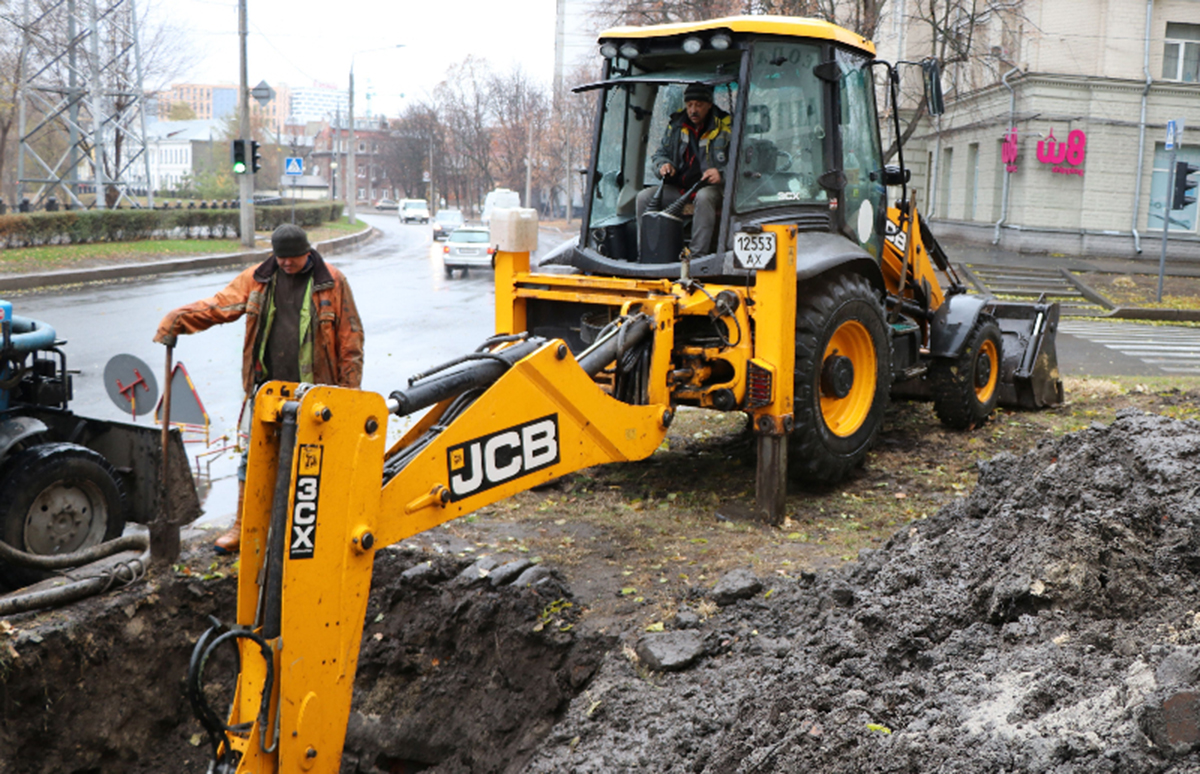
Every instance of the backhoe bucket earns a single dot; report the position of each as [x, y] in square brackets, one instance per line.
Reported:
[1029, 376]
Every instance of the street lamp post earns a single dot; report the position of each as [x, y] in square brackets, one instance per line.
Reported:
[352, 167]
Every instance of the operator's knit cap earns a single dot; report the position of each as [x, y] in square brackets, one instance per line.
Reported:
[289, 241]
[698, 91]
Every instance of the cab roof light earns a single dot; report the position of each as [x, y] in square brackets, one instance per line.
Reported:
[629, 50]
[720, 41]
[609, 49]
[692, 44]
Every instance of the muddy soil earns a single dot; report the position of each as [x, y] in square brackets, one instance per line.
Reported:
[1047, 622]
[455, 671]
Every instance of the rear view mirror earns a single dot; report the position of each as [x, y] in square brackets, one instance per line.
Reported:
[932, 72]
[758, 119]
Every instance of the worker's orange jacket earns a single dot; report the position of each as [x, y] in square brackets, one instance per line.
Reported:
[338, 340]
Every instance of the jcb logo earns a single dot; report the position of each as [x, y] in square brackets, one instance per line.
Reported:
[480, 464]
[304, 508]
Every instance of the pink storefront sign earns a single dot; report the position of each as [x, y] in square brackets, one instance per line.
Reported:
[1050, 151]
[1008, 151]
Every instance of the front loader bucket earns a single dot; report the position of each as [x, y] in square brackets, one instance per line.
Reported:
[1029, 372]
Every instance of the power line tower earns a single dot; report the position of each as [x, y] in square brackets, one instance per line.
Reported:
[81, 108]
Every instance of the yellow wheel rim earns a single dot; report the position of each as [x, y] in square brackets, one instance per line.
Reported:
[984, 392]
[845, 415]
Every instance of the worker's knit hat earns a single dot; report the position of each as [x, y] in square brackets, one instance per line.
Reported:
[289, 241]
[698, 91]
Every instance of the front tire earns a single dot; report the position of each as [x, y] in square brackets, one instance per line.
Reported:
[55, 499]
[965, 387]
[842, 379]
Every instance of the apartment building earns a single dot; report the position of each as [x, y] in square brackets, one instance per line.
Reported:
[1055, 139]
[220, 101]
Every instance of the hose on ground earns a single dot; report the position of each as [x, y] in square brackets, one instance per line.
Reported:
[121, 574]
[74, 559]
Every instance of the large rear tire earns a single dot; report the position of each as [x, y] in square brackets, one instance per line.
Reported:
[842, 379]
[965, 387]
[55, 499]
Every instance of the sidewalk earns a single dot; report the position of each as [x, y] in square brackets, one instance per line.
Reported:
[986, 258]
[1146, 263]
[141, 269]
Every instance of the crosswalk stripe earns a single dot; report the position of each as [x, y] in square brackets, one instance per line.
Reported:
[1173, 350]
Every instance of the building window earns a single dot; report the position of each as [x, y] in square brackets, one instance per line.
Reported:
[972, 180]
[1181, 53]
[944, 185]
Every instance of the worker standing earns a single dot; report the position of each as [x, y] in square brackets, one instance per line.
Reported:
[301, 326]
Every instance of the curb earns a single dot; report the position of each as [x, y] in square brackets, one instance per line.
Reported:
[1160, 315]
[126, 271]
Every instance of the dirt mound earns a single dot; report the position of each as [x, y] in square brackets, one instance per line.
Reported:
[1045, 624]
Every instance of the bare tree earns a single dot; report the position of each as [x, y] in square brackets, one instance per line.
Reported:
[463, 103]
[519, 112]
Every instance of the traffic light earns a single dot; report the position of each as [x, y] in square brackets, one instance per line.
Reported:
[1184, 185]
[255, 157]
[239, 157]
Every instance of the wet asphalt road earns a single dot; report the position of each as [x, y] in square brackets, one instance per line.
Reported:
[413, 316]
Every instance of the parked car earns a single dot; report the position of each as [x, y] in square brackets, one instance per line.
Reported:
[414, 211]
[386, 204]
[467, 248]
[446, 221]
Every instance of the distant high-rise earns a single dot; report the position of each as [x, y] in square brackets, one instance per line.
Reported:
[318, 102]
[579, 23]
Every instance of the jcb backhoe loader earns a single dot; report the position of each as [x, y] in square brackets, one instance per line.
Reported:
[818, 302]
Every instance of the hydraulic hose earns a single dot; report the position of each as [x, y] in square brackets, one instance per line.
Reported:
[276, 539]
[216, 728]
[472, 372]
[123, 573]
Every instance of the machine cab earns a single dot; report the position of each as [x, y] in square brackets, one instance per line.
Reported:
[803, 145]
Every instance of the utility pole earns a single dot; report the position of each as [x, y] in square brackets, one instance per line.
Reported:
[351, 164]
[529, 164]
[245, 180]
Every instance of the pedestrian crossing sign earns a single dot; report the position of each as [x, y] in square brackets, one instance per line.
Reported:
[293, 165]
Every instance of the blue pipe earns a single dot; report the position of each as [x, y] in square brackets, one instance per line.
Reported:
[29, 335]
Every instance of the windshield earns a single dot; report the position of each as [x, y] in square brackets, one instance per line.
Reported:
[469, 236]
[783, 142]
[414, 205]
[639, 99]
[449, 216]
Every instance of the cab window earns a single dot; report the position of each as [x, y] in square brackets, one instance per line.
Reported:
[783, 136]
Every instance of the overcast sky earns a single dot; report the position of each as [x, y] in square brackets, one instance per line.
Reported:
[289, 41]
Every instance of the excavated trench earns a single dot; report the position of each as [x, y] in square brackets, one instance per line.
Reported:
[1047, 623]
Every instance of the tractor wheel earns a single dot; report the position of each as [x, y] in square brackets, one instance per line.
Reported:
[843, 377]
[54, 499]
[965, 387]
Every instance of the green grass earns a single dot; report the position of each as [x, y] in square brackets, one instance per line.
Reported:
[59, 257]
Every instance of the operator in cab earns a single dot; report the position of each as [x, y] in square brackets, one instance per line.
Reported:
[694, 148]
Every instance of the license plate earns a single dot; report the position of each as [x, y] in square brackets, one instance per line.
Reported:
[467, 251]
[754, 251]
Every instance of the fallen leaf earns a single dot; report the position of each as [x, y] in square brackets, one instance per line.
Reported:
[657, 626]
[877, 727]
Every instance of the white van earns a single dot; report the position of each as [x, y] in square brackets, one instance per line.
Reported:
[499, 198]
[415, 210]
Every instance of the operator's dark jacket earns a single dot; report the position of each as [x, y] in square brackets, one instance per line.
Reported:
[711, 148]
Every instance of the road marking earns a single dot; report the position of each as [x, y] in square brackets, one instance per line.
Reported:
[1174, 349]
